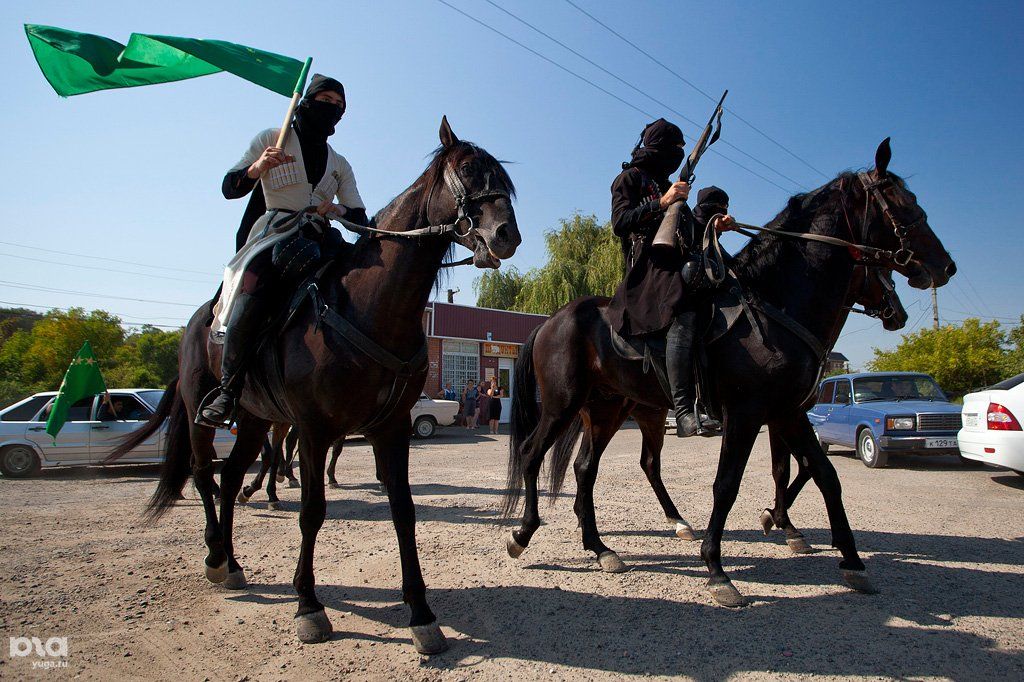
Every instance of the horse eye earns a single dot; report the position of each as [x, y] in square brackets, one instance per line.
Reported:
[468, 169]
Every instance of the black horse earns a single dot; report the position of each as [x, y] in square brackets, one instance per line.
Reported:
[275, 467]
[353, 360]
[763, 370]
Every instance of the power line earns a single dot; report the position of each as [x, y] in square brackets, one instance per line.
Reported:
[595, 85]
[117, 315]
[699, 126]
[111, 260]
[695, 87]
[94, 267]
[86, 293]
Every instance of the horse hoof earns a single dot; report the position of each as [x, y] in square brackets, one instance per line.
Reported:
[725, 594]
[235, 580]
[313, 628]
[428, 639]
[515, 550]
[333, 484]
[799, 546]
[216, 574]
[611, 563]
[767, 522]
[685, 531]
[280, 478]
[242, 497]
[292, 483]
[858, 580]
[274, 505]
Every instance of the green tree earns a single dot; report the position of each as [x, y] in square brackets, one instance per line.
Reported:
[1015, 353]
[499, 288]
[961, 358]
[147, 358]
[15, 319]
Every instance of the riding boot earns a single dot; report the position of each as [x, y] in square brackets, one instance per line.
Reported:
[247, 317]
[679, 367]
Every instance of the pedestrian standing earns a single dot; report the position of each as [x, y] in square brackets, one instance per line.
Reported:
[470, 396]
[496, 393]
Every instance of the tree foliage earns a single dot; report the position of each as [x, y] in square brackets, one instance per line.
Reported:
[584, 259]
[962, 358]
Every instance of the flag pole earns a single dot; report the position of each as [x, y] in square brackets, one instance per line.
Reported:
[300, 85]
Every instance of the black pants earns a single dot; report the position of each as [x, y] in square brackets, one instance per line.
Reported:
[679, 341]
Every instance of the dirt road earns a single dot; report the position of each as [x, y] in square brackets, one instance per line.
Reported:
[944, 544]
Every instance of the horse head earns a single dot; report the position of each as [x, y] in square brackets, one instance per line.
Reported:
[879, 298]
[479, 203]
[919, 254]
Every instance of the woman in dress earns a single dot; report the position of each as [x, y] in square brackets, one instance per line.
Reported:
[469, 400]
[496, 393]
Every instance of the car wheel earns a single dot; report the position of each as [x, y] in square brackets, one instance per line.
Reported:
[424, 427]
[823, 444]
[868, 450]
[19, 461]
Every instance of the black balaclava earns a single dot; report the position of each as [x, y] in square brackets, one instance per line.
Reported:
[710, 200]
[659, 151]
[315, 122]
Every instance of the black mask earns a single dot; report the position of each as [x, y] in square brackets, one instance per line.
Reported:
[659, 151]
[317, 119]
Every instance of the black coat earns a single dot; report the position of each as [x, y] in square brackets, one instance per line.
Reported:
[653, 291]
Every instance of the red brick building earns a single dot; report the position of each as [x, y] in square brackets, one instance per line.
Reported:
[469, 343]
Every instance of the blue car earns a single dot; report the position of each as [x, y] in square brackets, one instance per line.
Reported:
[878, 413]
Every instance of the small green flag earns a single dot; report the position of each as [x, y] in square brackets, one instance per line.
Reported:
[77, 63]
[82, 380]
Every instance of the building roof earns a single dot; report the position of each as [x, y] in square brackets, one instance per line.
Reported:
[837, 357]
[450, 320]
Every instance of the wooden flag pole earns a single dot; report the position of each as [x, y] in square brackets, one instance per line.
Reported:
[300, 85]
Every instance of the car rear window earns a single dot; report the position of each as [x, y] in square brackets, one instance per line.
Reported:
[25, 411]
[1005, 385]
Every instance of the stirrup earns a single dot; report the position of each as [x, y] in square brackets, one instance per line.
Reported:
[204, 403]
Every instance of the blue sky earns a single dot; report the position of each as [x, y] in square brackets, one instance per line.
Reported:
[134, 175]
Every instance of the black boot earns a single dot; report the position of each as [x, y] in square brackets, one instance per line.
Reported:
[679, 367]
[242, 329]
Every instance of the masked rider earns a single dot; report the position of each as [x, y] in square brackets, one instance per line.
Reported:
[307, 171]
[653, 296]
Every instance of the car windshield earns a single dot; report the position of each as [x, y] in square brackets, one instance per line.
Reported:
[152, 398]
[897, 387]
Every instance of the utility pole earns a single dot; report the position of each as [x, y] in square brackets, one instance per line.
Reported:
[451, 295]
[935, 308]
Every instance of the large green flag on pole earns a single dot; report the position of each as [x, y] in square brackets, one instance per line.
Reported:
[77, 63]
[83, 379]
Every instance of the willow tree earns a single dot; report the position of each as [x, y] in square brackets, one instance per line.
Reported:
[584, 259]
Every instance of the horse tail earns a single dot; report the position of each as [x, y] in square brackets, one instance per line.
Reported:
[135, 438]
[177, 465]
[523, 421]
[561, 452]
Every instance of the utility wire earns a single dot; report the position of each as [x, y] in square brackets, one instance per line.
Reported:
[595, 85]
[9, 314]
[111, 260]
[683, 116]
[94, 267]
[86, 293]
[695, 87]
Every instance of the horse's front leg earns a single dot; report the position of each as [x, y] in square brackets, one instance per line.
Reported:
[248, 491]
[785, 494]
[799, 435]
[336, 449]
[740, 432]
[312, 624]
[391, 451]
[652, 426]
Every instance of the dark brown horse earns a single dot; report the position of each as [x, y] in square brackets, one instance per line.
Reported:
[274, 467]
[876, 293]
[761, 372]
[355, 361]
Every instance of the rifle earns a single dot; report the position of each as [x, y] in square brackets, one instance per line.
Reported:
[667, 235]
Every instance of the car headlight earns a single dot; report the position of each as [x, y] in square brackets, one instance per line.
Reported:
[899, 423]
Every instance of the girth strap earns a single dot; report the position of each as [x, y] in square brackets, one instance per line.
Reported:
[792, 325]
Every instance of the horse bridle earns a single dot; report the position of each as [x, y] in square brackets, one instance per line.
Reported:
[873, 189]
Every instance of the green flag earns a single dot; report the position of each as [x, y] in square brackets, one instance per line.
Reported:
[82, 380]
[77, 63]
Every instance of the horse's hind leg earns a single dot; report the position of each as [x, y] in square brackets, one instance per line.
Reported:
[248, 491]
[601, 421]
[799, 435]
[391, 451]
[252, 432]
[336, 449]
[203, 456]
[652, 426]
[785, 494]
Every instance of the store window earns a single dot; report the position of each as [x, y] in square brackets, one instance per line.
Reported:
[460, 362]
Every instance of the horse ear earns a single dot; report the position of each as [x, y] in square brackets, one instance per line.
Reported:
[447, 136]
[882, 157]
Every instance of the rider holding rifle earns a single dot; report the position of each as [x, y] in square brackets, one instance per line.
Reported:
[655, 296]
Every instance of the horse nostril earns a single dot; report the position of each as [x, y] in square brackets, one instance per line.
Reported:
[950, 270]
[501, 233]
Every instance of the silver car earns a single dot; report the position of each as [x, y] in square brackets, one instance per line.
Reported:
[90, 434]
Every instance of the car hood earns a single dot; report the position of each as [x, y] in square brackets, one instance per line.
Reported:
[909, 406]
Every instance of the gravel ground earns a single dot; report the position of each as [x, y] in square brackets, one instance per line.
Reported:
[944, 543]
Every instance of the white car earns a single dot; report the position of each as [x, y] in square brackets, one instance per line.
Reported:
[89, 435]
[992, 425]
[427, 414]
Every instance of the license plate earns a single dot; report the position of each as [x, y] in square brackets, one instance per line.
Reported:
[940, 442]
[971, 419]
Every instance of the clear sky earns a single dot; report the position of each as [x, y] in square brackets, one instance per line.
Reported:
[134, 175]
